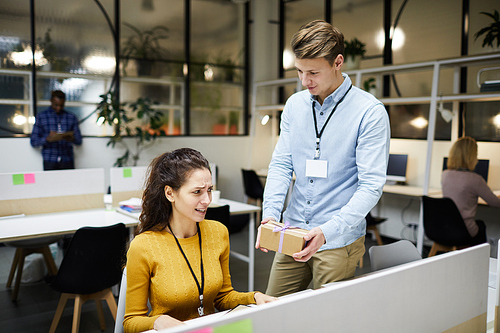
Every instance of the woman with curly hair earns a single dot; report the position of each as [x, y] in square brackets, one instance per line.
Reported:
[178, 260]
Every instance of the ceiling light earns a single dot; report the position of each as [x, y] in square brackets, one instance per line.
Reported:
[398, 38]
[419, 122]
[25, 57]
[19, 119]
[496, 120]
[264, 119]
[446, 114]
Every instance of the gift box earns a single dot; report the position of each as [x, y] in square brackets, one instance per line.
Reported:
[282, 238]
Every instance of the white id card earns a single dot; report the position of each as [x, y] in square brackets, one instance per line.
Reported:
[316, 168]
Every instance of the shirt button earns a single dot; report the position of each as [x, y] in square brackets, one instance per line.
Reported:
[311, 181]
[321, 113]
[307, 222]
[308, 202]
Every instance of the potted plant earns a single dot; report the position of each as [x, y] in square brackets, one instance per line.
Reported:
[144, 47]
[354, 50]
[136, 119]
[492, 31]
[370, 86]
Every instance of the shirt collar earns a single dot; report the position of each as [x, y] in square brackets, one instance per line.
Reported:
[54, 112]
[335, 96]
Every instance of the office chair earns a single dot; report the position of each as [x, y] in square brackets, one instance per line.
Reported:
[122, 297]
[25, 248]
[90, 267]
[122, 300]
[371, 224]
[234, 224]
[252, 185]
[444, 225]
[400, 252]
[253, 189]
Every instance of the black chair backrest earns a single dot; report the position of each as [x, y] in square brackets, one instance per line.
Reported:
[93, 260]
[443, 223]
[233, 223]
[252, 184]
[220, 214]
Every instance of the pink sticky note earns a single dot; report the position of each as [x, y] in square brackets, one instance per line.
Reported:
[203, 330]
[29, 178]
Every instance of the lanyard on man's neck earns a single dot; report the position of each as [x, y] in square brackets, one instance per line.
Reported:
[320, 132]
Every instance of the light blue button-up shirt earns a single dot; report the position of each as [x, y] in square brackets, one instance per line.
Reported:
[355, 143]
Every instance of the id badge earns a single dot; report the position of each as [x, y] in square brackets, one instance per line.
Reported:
[316, 168]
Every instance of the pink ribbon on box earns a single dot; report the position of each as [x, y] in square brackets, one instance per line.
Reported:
[282, 230]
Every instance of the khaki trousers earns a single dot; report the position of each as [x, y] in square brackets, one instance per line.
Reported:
[289, 276]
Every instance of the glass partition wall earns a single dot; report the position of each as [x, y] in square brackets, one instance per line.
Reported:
[421, 31]
[187, 57]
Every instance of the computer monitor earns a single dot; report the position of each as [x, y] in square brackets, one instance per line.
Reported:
[396, 168]
[482, 167]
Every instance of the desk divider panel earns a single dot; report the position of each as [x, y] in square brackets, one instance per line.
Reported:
[51, 191]
[126, 182]
[444, 293]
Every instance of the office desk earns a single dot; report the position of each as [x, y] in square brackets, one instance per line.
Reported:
[62, 223]
[235, 208]
[412, 191]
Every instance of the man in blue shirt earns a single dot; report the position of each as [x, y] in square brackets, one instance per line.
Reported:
[56, 130]
[335, 138]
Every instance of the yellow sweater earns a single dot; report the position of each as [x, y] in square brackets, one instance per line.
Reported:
[157, 270]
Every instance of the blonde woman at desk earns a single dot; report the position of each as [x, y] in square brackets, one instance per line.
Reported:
[178, 260]
[464, 186]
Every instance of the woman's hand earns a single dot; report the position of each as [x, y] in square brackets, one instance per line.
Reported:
[261, 298]
[165, 321]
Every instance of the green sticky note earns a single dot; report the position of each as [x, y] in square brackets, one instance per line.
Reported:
[127, 173]
[18, 179]
[242, 326]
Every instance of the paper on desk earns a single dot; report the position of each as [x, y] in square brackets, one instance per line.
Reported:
[131, 202]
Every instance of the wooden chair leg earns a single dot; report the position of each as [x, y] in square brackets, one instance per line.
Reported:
[377, 235]
[433, 250]
[100, 314]
[49, 260]
[19, 274]
[110, 300]
[76, 314]
[59, 311]
[13, 267]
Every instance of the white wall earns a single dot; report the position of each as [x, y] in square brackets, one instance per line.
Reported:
[230, 154]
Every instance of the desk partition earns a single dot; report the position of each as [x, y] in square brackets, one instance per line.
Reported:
[51, 191]
[445, 293]
[126, 183]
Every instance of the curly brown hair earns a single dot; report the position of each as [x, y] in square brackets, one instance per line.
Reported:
[172, 169]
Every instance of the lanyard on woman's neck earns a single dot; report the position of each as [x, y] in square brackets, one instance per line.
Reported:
[320, 133]
[200, 287]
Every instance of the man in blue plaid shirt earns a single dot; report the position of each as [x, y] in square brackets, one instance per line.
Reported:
[56, 130]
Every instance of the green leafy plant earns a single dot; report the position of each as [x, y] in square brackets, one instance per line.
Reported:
[144, 45]
[369, 84]
[48, 48]
[354, 48]
[492, 31]
[135, 119]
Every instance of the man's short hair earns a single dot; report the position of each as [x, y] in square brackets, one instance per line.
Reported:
[318, 39]
[58, 94]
